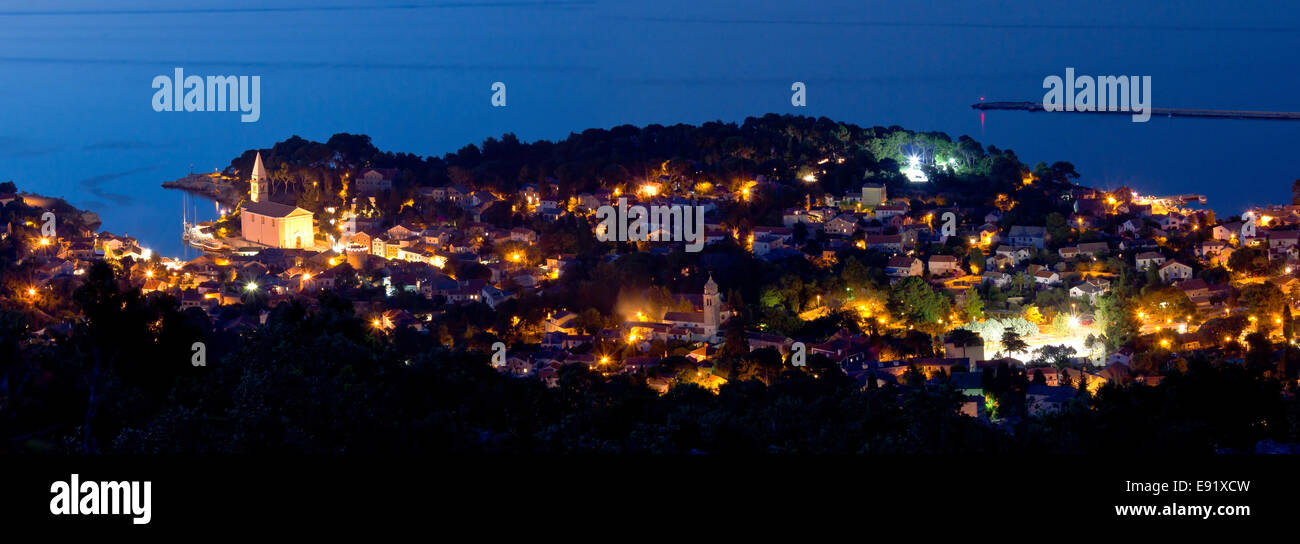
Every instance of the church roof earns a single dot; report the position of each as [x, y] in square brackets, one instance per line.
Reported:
[684, 317]
[273, 209]
[259, 171]
[387, 173]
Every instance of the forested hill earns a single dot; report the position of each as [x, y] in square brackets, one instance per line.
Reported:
[784, 149]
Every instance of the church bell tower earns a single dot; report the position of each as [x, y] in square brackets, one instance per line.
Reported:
[257, 188]
[712, 305]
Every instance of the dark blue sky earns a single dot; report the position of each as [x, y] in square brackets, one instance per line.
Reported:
[415, 75]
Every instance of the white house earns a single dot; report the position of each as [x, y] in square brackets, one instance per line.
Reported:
[1174, 271]
[1132, 225]
[1226, 231]
[1046, 277]
[885, 211]
[373, 180]
[766, 243]
[844, 225]
[1149, 259]
[998, 279]
[1015, 254]
[1283, 238]
[1210, 248]
[902, 267]
[1087, 290]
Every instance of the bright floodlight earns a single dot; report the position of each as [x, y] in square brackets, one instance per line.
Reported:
[252, 286]
[913, 171]
[1074, 322]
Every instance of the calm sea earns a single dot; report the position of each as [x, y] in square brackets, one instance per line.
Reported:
[416, 76]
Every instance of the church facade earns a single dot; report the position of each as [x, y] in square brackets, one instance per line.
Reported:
[273, 224]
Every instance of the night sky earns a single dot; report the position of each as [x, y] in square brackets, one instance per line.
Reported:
[416, 76]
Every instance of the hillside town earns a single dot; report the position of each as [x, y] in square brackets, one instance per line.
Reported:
[907, 290]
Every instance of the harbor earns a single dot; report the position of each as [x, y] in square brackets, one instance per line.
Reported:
[203, 234]
[1155, 112]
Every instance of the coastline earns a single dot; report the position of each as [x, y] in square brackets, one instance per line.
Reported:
[207, 185]
[59, 205]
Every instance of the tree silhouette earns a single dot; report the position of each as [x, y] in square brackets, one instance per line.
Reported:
[1011, 342]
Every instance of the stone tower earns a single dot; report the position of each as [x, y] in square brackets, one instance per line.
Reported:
[712, 303]
[257, 188]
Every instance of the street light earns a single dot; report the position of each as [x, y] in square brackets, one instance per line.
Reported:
[252, 286]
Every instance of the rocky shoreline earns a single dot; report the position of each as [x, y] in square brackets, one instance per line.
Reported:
[87, 218]
[209, 186]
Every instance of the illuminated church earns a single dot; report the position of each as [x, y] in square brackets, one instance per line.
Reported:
[702, 324]
[271, 223]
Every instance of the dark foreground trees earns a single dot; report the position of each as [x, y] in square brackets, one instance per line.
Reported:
[323, 382]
